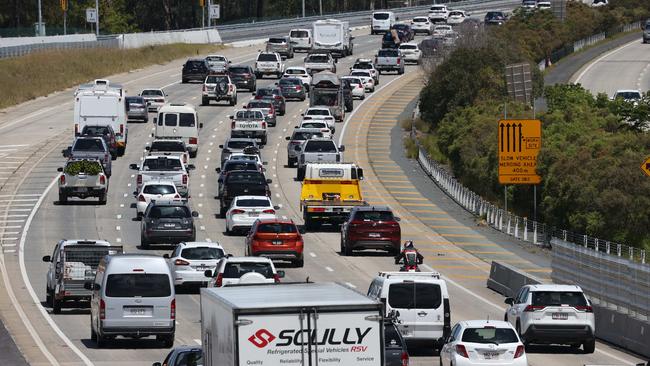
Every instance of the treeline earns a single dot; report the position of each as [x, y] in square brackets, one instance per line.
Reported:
[592, 147]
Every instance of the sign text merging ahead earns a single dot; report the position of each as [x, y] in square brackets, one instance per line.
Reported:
[519, 143]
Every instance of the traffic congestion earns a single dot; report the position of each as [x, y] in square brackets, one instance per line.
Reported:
[263, 129]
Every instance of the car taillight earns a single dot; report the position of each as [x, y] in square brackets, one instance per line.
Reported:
[276, 278]
[585, 308]
[185, 158]
[141, 198]
[102, 179]
[263, 124]
[172, 309]
[325, 130]
[102, 309]
[219, 281]
[405, 359]
[277, 97]
[317, 209]
[399, 60]
[177, 196]
[62, 179]
[181, 262]
[269, 211]
[194, 140]
[520, 351]
[230, 88]
[237, 211]
[530, 308]
[139, 179]
[298, 88]
[460, 349]
[184, 178]
[76, 129]
[106, 158]
[232, 124]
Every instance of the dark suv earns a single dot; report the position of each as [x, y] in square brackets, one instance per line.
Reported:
[105, 132]
[371, 227]
[230, 165]
[167, 222]
[242, 183]
[274, 94]
[196, 69]
[243, 77]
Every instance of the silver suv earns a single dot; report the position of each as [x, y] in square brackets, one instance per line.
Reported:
[553, 314]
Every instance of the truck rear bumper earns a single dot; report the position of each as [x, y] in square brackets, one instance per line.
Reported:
[279, 254]
[137, 332]
[89, 192]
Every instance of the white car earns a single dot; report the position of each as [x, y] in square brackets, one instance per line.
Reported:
[358, 87]
[438, 13]
[366, 78]
[245, 210]
[315, 124]
[422, 25]
[158, 190]
[244, 270]
[544, 5]
[190, 260]
[628, 95]
[456, 17]
[599, 3]
[321, 114]
[366, 64]
[553, 314]
[155, 98]
[244, 156]
[411, 52]
[440, 31]
[483, 342]
[298, 73]
[529, 5]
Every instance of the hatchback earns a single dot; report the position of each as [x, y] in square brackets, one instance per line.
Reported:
[245, 210]
[233, 271]
[189, 261]
[243, 77]
[292, 88]
[155, 190]
[167, 222]
[276, 239]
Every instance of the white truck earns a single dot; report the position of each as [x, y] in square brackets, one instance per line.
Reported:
[164, 168]
[249, 123]
[101, 103]
[332, 35]
[292, 324]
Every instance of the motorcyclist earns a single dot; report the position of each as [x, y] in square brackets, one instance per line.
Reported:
[409, 247]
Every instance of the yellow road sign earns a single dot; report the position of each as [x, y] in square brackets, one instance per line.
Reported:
[646, 166]
[519, 143]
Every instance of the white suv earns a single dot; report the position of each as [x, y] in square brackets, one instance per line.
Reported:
[269, 63]
[233, 271]
[553, 314]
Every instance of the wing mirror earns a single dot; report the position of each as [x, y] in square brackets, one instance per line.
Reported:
[47, 258]
[59, 169]
[148, 148]
[195, 214]
[191, 167]
[200, 125]
[155, 120]
[281, 274]
[221, 146]
[510, 301]
[218, 170]
[342, 148]
[166, 256]
[133, 167]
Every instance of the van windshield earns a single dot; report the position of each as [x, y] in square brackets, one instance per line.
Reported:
[412, 295]
[138, 285]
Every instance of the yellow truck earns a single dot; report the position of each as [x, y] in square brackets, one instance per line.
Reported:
[328, 198]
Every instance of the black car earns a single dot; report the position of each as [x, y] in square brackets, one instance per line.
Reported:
[243, 77]
[105, 132]
[393, 38]
[196, 69]
[395, 351]
[274, 94]
[495, 18]
[347, 95]
[167, 222]
[243, 183]
[409, 33]
[230, 165]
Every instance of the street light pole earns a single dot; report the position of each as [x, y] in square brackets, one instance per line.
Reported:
[40, 19]
[303, 8]
[96, 16]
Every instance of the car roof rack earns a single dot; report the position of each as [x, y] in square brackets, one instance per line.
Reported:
[432, 274]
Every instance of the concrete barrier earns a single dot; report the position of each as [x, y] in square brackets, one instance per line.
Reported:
[507, 280]
[202, 36]
[22, 41]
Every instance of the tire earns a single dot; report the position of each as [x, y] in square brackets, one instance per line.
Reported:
[63, 198]
[205, 101]
[193, 154]
[299, 263]
[300, 174]
[183, 81]
[101, 341]
[222, 212]
[291, 162]
[48, 297]
[309, 224]
[56, 305]
[233, 101]
[144, 243]
[93, 334]
[167, 341]
[400, 72]
[228, 231]
[347, 250]
[589, 346]
[263, 140]
[254, 88]
[120, 151]
[363, 96]
[102, 198]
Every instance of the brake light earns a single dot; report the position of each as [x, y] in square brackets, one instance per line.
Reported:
[172, 309]
[276, 278]
[139, 179]
[263, 124]
[530, 308]
[181, 262]
[184, 178]
[520, 351]
[460, 349]
[399, 60]
[586, 308]
[141, 198]
[317, 209]
[62, 179]
[237, 211]
[102, 179]
[102, 309]
[106, 158]
[325, 130]
[405, 359]
[194, 140]
[177, 196]
[184, 158]
[298, 88]
[277, 97]
[219, 281]
[232, 124]
[270, 211]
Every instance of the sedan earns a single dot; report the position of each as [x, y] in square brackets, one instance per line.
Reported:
[320, 114]
[480, 342]
[358, 87]
[189, 261]
[300, 73]
[421, 25]
[136, 108]
[155, 98]
[157, 190]
[245, 210]
[366, 77]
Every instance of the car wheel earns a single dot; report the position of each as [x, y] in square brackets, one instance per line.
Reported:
[193, 154]
[63, 198]
[56, 305]
[93, 334]
[228, 231]
[263, 141]
[144, 243]
[102, 198]
[167, 341]
[48, 297]
[300, 174]
[101, 340]
[233, 101]
[589, 346]
[222, 212]
[347, 250]
[363, 96]
[205, 101]
[183, 81]
[299, 263]
[291, 162]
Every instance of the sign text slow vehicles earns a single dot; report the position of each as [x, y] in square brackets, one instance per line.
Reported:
[519, 142]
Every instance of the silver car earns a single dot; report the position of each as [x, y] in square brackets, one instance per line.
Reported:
[299, 136]
[136, 109]
[236, 145]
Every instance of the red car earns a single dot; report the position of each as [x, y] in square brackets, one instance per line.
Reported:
[371, 227]
[276, 239]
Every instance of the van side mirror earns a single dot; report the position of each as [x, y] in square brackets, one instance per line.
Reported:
[207, 273]
[281, 274]
[360, 173]
[509, 300]
[288, 138]
[47, 258]
[59, 169]
[218, 170]
[398, 219]
[133, 166]
[191, 167]
[200, 125]
[342, 148]
[148, 148]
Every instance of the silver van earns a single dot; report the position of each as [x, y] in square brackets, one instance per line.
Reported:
[132, 296]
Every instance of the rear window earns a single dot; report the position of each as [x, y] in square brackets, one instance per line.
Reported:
[391, 336]
[134, 100]
[258, 104]
[318, 112]
[362, 65]
[381, 16]
[412, 295]
[187, 120]
[162, 164]
[290, 82]
[360, 73]
[387, 53]
[152, 93]
[320, 146]
[216, 79]
[300, 136]
[195, 64]
[420, 20]
[138, 285]
[238, 70]
[267, 57]
[490, 335]
[253, 202]
[239, 144]
[245, 178]
[557, 298]
[265, 92]
[216, 58]
[95, 130]
[167, 146]
[408, 47]
[249, 115]
[299, 34]
[169, 212]
[317, 58]
[202, 253]
[171, 120]
[159, 189]
[313, 125]
[89, 145]
[437, 8]
[277, 228]
[239, 165]
[236, 270]
[374, 215]
[189, 358]
[295, 72]
[277, 40]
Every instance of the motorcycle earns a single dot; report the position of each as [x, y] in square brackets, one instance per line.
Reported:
[410, 261]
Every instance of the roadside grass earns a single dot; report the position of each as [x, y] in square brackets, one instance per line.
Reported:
[41, 73]
[424, 135]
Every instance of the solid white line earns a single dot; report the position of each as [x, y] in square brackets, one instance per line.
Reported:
[594, 62]
[312, 254]
[9, 245]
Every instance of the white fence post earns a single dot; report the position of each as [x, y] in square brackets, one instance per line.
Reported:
[534, 232]
[517, 227]
[525, 229]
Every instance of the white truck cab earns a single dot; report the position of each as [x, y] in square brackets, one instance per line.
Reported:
[180, 121]
[344, 171]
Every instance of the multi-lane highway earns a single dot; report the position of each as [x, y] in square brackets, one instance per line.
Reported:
[33, 134]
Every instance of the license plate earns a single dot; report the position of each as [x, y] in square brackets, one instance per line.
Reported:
[248, 126]
[83, 189]
[490, 355]
[374, 235]
[137, 311]
[253, 214]
[338, 209]
[276, 242]
[170, 225]
[560, 316]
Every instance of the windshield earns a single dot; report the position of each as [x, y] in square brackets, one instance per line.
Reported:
[628, 95]
[277, 228]
[299, 34]
[413, 295]
[246, 178]
[162, 164]
[159, 189]
[152, 93]
[317, 58]
[202, 253]
[490, 335]
[374, 216]
[391, 336]
[387, 53]
[320, 146]
[557, 298]
[169, 212]
[177, 146]
[267, 57]
[89, 145]
[138, 285]
[381, 16]
[189, 358]
[253, 202]
[234, 144]
[236, 270]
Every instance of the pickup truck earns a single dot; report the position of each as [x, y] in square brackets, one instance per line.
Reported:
[71, 265]
[87, 147]
[169, 147]
[389, 60]
[218, 88]
[318, 151]
[82, 178]
[269, 63]
[328, 201]
[164, 167]
[249, 123]
[317, 62]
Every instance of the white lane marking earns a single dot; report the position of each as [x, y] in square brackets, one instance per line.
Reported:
[594, 62]
[121, 205]
[119, 240]
[208, 240]
[198, 341]
[119, 217]
[21, 200]
[35, 299]
[16, 215]
[170, 84]
[312, 254]
[329, 269]
[277, 195]
[20, 195]
[200, 195]
[34, 114]
[10, 233]
[118, 228]
[12, 226]
[128, 185]
[126, 194]
[202, 228]
[350, 285]
[205, 167]
[9, 245]
[200, 205]
[9, 250]
[13, 221]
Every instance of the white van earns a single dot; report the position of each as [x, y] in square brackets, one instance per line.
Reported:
[419, 300]
[302, 39]
[382, 21]
[179, 121]
[132, 296]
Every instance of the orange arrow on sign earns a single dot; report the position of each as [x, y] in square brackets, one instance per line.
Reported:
[646, 166]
